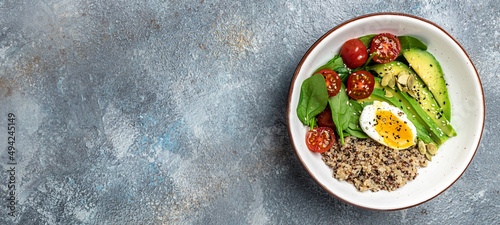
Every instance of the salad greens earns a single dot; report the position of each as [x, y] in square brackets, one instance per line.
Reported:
[313, 99]
[336, 64]
[354, 129]
[408, 42]
[345, 111]
[367, 40]
[339, 105]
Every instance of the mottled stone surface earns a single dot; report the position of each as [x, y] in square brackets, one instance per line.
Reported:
[143, 112]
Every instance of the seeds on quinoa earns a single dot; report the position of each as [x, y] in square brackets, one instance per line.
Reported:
[369, 165]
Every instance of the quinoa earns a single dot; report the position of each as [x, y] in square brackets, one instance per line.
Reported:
[369, 165]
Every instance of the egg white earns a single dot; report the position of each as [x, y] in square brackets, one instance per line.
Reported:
[367, 121]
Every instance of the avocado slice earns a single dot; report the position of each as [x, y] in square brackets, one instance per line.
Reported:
[429, 69]
[423, 95]
[417, 112]
[379, 95]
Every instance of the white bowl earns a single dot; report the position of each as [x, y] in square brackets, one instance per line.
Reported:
[466, 96]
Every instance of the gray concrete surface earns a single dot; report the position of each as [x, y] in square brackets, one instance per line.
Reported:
[173, 112]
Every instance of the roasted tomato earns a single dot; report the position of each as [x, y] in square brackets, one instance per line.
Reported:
[360, 84]
[354, 53]
[386, 48]
[332, 80]
[320, 139]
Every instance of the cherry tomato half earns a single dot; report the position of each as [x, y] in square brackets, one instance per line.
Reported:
[332, 80]
[386, 46]
[360, 84]
[354, 53]
[325, 119]
[320, 139]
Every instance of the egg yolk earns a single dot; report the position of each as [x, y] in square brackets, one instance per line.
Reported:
[395, 132]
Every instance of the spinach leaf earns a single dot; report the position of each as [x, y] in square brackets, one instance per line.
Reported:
[346, 117]
[343, 74]
[356, 133]
[367, 40]
[336, 64]
[339, 105]
[356, 109]
[313, 99]
[408, 42]
[354, 129]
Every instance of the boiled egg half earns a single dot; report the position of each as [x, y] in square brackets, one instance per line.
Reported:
[388, 125]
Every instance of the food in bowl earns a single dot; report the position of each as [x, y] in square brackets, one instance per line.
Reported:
[388, 125]
[368, 165]
[387, 111]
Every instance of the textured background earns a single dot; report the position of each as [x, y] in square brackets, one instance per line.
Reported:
[138, 112]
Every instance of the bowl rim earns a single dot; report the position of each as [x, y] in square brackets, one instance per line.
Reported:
[294, 78]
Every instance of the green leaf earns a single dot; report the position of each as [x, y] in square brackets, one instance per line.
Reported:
[346, 118]
[313, 99]
[334, 64]
[408, 42]
[367, 40]
[343, 74]
[353, 124]
[356, 133]
[356, 109]
[339, 107]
